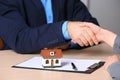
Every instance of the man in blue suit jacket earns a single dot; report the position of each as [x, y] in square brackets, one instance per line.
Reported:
[24, 27]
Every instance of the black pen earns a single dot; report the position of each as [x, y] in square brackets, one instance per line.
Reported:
[73, 66]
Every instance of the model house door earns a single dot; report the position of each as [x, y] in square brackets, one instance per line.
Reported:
[52, 63]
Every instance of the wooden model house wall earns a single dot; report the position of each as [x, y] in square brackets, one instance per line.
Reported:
[51, 57]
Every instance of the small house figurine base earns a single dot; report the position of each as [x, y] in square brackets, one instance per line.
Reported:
[51, 58]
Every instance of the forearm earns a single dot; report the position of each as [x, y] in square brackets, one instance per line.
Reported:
[107, 36]
[23, 39]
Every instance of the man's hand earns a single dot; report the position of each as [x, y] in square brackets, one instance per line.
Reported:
[110, 60]
[81, 34]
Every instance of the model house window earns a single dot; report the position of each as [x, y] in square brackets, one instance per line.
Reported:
[57, 61]
[52, 53]
[47, 61]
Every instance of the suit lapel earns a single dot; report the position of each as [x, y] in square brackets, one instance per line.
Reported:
[55, 8]
[41, 10]
[38, 4]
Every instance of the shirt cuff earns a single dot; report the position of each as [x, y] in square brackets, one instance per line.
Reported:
[113, 70]
[116, 46]
[64, 31]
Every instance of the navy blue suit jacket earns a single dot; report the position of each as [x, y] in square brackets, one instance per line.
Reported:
[23, 25]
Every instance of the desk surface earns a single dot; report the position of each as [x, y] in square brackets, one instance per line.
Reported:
[9, 58]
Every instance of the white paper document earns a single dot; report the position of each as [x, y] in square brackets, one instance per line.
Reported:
[36, 63]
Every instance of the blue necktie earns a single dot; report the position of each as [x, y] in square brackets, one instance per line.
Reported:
[48, 10]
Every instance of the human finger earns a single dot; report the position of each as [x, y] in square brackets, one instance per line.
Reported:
[80, 43]
[83, 39]
[93, 37]
[88, 37]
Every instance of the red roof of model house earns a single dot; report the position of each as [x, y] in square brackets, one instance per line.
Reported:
[51, 53]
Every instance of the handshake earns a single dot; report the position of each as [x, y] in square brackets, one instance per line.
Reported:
[84, 33]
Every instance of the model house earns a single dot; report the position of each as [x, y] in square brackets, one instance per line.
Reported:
[51, 57]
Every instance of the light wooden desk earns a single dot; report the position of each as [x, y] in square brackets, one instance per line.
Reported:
[9, 58]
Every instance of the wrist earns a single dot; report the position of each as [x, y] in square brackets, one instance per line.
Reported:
[102, 34]
[107, 36]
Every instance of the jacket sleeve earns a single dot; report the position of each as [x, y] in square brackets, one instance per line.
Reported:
[114, 71]
[23, 39]
[81, 13]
